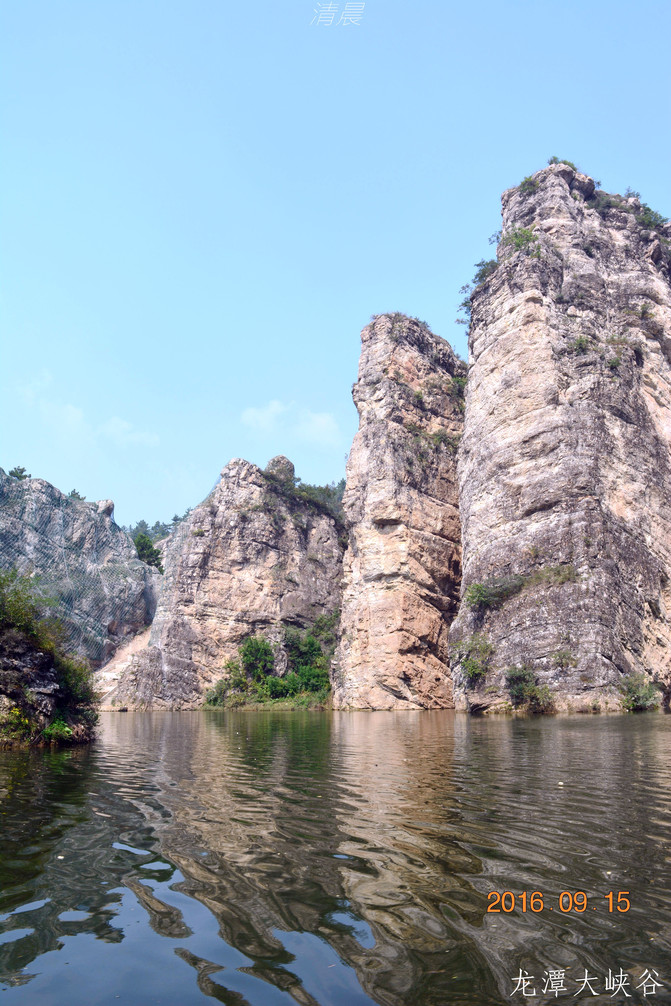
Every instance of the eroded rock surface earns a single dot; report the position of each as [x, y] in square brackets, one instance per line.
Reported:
[402, 566]
[104, 594]
[565, 476]
[252, 559]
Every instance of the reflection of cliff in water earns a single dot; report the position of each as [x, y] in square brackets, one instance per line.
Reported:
[302, 831]
[44, 871]
[270, 858]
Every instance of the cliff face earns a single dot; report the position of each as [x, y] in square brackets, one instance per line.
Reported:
[402, 565]
[253, 558]
[564, 472]
[104, 593]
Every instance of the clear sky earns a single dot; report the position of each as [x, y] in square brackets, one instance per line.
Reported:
[203, 202]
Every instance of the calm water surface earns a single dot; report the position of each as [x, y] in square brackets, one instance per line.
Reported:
[277, 858]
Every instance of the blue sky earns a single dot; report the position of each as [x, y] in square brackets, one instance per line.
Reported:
[203, 202]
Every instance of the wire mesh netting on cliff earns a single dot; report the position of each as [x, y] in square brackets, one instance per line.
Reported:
[82, 564]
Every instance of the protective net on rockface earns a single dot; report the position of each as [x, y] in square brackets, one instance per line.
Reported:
[82, 564]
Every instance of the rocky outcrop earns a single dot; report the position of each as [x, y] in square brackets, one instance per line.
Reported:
[564, 472]
[402, 565]
[257, 556]
[81, 559]
[35, 692]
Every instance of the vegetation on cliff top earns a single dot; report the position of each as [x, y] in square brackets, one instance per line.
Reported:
[24, 630]
[325, 499]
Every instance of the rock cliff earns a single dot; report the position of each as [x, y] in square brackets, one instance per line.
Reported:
[402, 565]
[564, 471]
[80, 558]
[255, 557]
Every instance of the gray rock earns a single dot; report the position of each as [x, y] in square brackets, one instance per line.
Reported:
[80, 558]
[564, 470]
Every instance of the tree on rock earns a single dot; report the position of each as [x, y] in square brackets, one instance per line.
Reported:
[147, 552]
[20, 473]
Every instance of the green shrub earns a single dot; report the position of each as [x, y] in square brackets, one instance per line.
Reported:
[579, 345]
[561, 160]
[484, 270]
[639, 693]
[307, 660]
[257, 658]
[524, 690]
[528, 185]
[650, 219]
[493, 593]
[147, 552]
[614, 362]
[58, 730]
[458, 387]
[475, 655]
[20, 473]
[563, 659]
[522, 239]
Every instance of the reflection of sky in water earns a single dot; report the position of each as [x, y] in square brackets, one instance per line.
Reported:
[272, 859]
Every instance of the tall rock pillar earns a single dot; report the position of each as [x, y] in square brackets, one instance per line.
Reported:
[565, 465]
[402, 565]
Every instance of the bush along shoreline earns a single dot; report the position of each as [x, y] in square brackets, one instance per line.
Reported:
[46, 696]
[251, 680]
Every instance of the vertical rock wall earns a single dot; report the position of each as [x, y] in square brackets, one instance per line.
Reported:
[565, 474]
[251, 559]
[402, 566]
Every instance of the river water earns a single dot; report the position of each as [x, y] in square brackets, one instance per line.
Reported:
[274, 858]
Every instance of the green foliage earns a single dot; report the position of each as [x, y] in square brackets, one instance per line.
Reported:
[650, 219]
[528, 185]
[19, 473]
[307, 660]
[475, 655]
[563, 659]
[147, 552]
[198, 533]
[158, 529]
[524, 690]
[614, 362]
[458, 387]
[57, 730]
[257, 657]
[306, 683]
[522, 239]
[493, 593]
[562, 160]
[645, 216]
[326, 499]
[74, 495]
[419, 399]
[21, 610]
[18, 605]
[485, 268]
[639, 693]
[580, 345]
